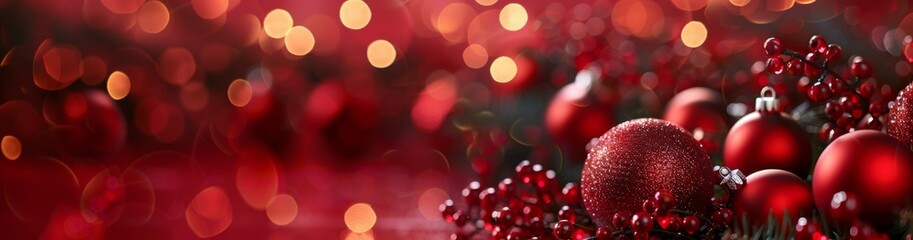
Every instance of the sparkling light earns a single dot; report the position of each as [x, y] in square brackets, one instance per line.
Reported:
[694, 34]
[475, 56]
[118, 85]
[486, 2]
[153, 17]
[209, 213]
[355, 14]
[360, 218]
[282, 209]
[11, 147]
[299, 41]
[430, 201]
[277, 22]
[503, 69]
[240, 92]
[210, 9]
[381, 53]
[513, 17]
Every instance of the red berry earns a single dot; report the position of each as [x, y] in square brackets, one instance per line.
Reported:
[773, 47]
[504, 218]
[861, 68]
[498, 233]
[571, 193]
[867, 89]
[878, 108]
[833, 52]
[775, 65]
[833, 110]
[817, 44]
[825, 132]
[795, 67]
[531, 211]
[567, 213]
[536, 227]
[649, 205]
[664, 199]
[471, 193]
[563, 229]
[524, 171]
[722, 217]
[819, 92]
[642, 222]
[515, 235]
[603, 233]
[460, 218]
[621, 220]
[488, 199]
[837, 86]
[506, 188]
[691, 224]
[447, 210]
[805, 228]
[811, 70]
[835, 133]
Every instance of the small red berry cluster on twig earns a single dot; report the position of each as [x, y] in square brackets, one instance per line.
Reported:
[851, 102]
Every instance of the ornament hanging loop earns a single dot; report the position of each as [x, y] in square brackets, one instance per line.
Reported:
[766, 103]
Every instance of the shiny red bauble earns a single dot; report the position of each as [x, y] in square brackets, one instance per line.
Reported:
[700, 111]
[871, 165]
[637, 158]
[900, 116]
[773, 192]
[768, 140]
[575, 116]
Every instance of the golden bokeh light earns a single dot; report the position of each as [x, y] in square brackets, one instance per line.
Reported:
[209, 9]
[694, 34]
[513, 17]
[690, 5]
[277, 22]
[486, 2]
[503, 69]
[360, 236]
[739, 3]
[282, 209]
[240, 92]
[153, 17]
[360, 218]
[209, 213]
[475, 56]
[299, 41]
[381, 53]
[354, 14]
[430, 201]
[11, 147]
[118, 85]
[802, 1]
[122, 6]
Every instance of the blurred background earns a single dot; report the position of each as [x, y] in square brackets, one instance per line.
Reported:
[272, 119]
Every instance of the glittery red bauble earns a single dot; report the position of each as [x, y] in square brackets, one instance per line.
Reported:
[637, 158]
[772, 191]
[574, 117]
[700, 111]
[768, 140]
[873, 166]
[900, 117]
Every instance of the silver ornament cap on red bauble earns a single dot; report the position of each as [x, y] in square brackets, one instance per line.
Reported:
[637, 158]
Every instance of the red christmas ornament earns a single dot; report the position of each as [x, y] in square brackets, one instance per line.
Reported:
[871, 165]
[575, 116]
[768, 139]
[637, 158]
[701, 112]
[773, 191]
[900, 116]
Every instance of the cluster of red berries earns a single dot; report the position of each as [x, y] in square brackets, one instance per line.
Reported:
[851, 103]
[531, 207]
[658, 219]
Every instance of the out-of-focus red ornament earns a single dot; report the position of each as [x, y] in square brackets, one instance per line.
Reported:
[637, 158]
[900, 116]
[768, 139]
[773, 192]
[700, 111]
[575, 116]
[871, 165]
